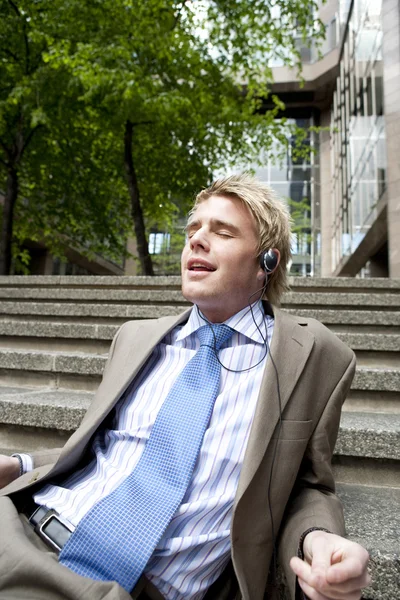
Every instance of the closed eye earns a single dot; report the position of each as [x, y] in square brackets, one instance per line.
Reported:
[190, 231]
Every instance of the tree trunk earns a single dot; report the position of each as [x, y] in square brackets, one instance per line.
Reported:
[7, 226]
[136, 209]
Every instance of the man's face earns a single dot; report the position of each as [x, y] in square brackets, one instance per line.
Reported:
[220, 269]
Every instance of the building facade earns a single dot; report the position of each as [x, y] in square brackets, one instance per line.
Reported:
[352, 180]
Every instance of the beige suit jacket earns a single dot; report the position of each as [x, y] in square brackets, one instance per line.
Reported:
[313, 370]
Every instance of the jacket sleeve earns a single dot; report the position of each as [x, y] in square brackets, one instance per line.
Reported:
[313, 502]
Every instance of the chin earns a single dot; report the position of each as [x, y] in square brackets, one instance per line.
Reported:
[189, 293]
[192, 293]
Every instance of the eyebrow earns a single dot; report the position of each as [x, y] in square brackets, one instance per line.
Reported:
[215, 223]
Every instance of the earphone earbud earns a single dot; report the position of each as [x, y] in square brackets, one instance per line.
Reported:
[269, 260]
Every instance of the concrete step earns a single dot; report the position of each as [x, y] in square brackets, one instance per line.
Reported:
[58, 369]
[372, 379]
[44, 329]
[381, 284]
[64, 294]
[62, 410]
[376, 342]
[39, 418]
[106, 282]
[343, 284]
[56, 336]
[373, 435]
[89, 313]
[347, 320]
[67, 370]
[364, 440]
[373, 520]
[174, 296]
[373, 349]
[360, 300]
[372, 401]
[339, 321]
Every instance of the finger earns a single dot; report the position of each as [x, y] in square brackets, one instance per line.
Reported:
[310, 592]
[342, 591]
[314, 594]
[351, 586]
[350, 567]
[321, 562]
[300, 568]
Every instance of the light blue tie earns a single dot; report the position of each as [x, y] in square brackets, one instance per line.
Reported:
[116, 538]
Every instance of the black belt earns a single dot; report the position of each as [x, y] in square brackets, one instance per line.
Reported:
[49, 525]
[56, 531]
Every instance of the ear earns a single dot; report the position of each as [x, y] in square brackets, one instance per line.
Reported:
[278, 254]
[269, 262]
[261, 275]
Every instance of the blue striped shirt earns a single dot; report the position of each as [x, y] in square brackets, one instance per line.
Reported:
[195, 547]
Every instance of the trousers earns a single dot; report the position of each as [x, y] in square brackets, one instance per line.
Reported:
[29, 569]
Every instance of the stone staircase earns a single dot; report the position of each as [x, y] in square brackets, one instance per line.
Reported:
[54, 337]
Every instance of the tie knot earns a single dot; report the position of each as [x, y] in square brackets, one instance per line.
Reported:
[214, 335]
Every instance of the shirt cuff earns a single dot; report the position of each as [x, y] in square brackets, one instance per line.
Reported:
[25, 463]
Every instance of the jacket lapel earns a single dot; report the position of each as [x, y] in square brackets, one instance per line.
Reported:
[122, 370]
[290, 348]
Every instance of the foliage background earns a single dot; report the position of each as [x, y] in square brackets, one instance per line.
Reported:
[113, 113]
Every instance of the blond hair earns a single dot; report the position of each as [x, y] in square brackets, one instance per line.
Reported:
[272, 221]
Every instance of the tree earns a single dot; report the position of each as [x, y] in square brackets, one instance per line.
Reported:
[174, 88]
[61, 179]
[19, 64]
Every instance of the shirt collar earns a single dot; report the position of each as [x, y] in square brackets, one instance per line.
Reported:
[242, 322]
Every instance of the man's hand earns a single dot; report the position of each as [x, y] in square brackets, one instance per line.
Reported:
[333, 568]
[9, 469]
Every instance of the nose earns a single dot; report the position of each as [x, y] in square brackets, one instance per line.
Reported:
[199, 239]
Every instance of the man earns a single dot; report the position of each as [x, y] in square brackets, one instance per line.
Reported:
[262, 475]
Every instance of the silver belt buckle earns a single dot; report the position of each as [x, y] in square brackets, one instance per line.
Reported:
[39, 528]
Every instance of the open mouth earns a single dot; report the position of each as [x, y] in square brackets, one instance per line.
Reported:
[199, 267]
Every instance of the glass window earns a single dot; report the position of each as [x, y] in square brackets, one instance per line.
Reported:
[262, 173]
[278, 173]
[282, 189]
[360, 98]
[159, 243]
[357, 130]
[378, 89]
[369, 95]
[332, 37]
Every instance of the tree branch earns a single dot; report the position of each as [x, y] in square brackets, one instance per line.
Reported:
[6, 150]
[6, 51]
[136, 207]
[28, 139]
[142, 123]
[27, 53]
[178, 15]
[15, 7]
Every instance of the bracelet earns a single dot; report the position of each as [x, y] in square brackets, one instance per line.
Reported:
[21, 464]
